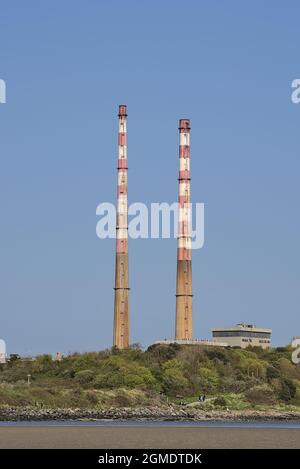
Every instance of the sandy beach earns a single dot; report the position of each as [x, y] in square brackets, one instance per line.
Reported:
[147, 437]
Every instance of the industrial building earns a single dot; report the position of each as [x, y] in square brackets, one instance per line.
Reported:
[243, 335]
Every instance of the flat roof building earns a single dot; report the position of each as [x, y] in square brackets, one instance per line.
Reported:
[243, 335]
[209, 343]
[295, 342]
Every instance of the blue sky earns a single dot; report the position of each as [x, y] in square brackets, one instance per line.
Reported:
[228, 66]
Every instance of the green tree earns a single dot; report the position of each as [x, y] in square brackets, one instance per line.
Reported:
[116, 372]
[174, 381]
[288, 390]
[208, 379]
[85, 376]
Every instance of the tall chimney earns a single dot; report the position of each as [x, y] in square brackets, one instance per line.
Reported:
[121, 311]
[184, 325]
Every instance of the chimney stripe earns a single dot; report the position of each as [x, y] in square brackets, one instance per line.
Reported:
[121, 308]
[184, 327]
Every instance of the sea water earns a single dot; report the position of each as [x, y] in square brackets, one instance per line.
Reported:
[152, 423]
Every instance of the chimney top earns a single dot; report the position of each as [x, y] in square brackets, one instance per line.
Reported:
[184, 124]
[122, 110]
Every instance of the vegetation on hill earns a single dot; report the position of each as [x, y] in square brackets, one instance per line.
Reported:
[229, 378]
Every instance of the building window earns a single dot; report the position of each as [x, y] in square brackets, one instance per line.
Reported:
[254, 335]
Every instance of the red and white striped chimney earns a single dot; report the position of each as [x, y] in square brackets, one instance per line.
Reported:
[184, 311]
[121, 310]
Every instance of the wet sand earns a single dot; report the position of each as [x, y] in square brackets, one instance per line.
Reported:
[151, 437]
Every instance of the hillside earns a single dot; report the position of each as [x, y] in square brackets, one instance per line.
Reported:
[161, 375]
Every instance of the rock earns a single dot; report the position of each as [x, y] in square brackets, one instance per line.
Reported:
[144, 413]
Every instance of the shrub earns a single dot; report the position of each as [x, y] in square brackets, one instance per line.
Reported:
[161, 353]
[122, 399]
[13, 375]
[272, 373]
[92, 397]
[13, 358]
[220, 401]
[174, 381]
[253, 367]
[208, 379]
[237, 383]
[84, 376]
[117, 372]
[87, 360]
[261, 394]
[287, 368]
[217, 354]
[296, 399]
[288, 390]
[43, 364]
[68, 373]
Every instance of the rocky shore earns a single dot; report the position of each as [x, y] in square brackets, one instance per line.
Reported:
[142, 414]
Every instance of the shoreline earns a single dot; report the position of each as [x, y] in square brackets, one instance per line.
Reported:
[173, 414]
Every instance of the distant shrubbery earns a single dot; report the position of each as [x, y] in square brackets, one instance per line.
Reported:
[260, 394]
[232, 377]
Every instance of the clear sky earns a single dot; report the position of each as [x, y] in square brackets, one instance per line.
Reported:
[226, 65]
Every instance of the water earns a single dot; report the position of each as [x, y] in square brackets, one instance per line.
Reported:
[111, 423]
